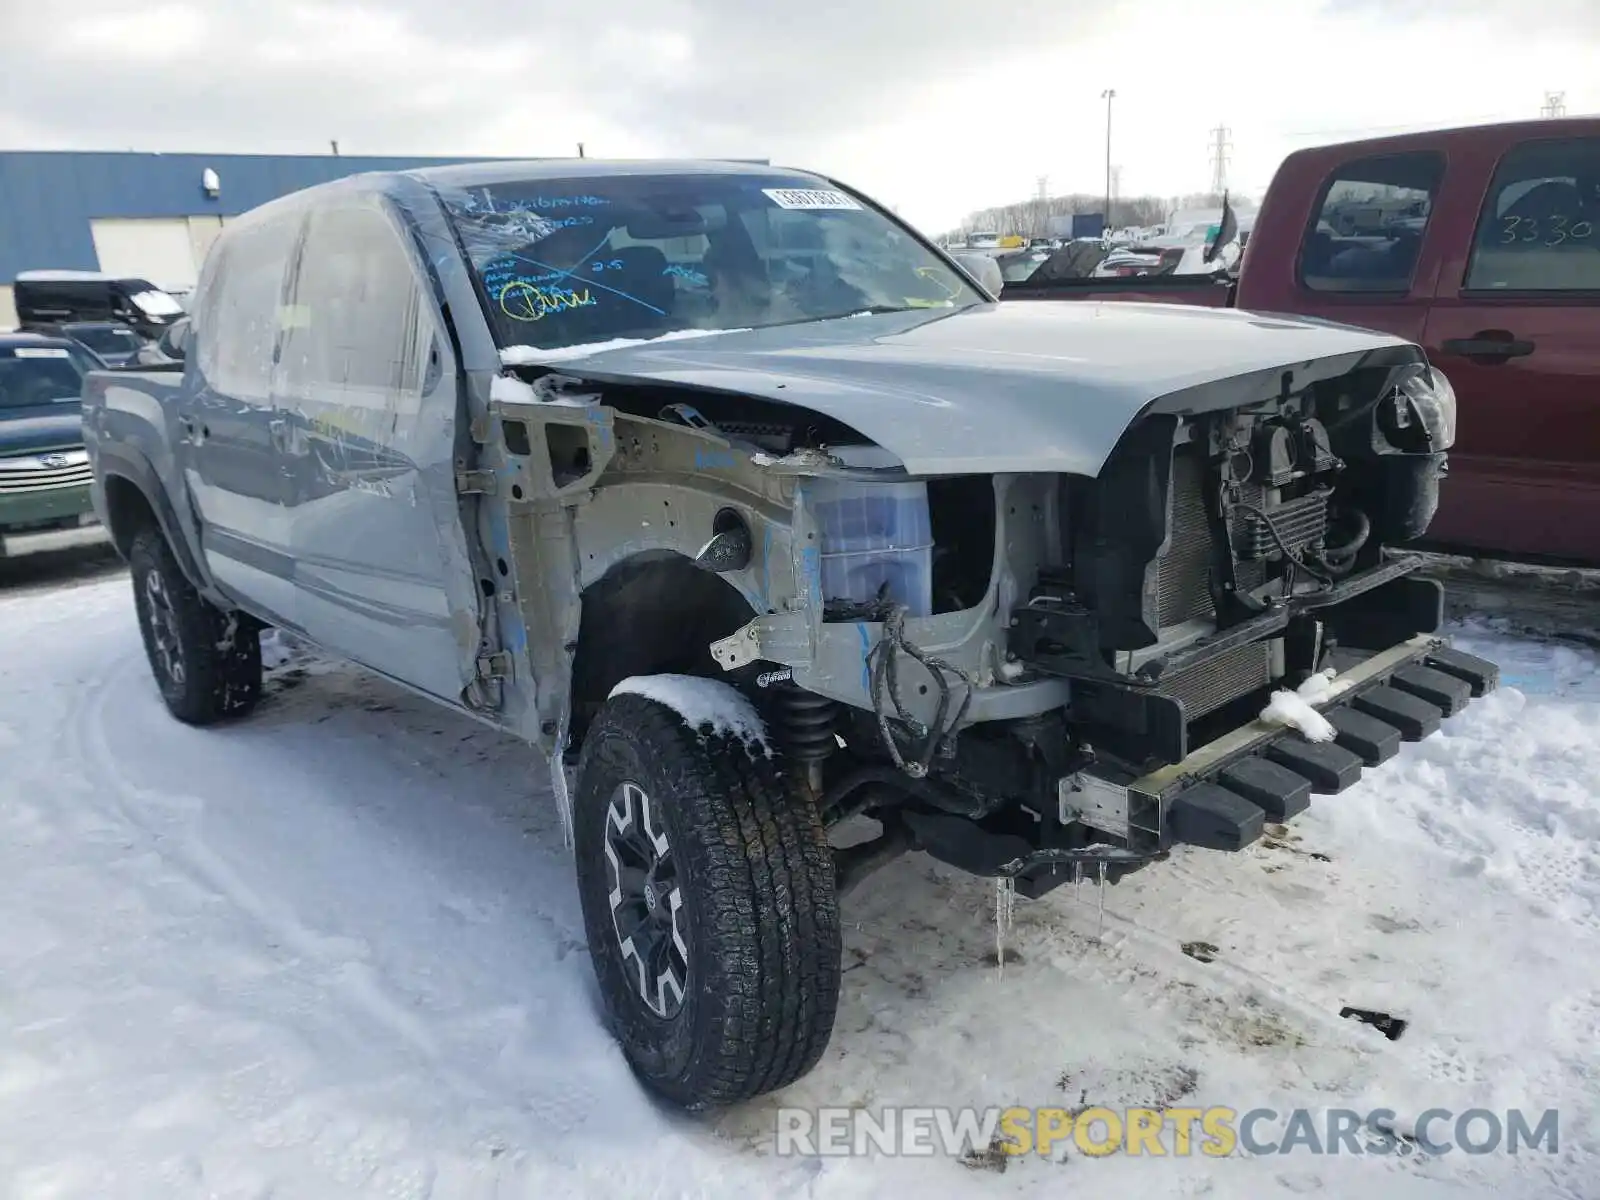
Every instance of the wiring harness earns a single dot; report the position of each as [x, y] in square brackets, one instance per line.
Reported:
[884, 680]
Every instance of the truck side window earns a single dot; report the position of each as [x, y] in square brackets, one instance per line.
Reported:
[238, 324]
[360, 319]
[1369, 225]
[1540, 226]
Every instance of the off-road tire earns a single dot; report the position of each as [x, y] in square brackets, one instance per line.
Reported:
[757, 884]
[219, 653]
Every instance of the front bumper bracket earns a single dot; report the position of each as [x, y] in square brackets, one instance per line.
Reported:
[1223, 794]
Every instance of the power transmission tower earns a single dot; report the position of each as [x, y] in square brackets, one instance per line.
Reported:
[1555, 105]
[1221, 153]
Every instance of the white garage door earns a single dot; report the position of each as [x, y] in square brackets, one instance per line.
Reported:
[202, 232]
[161, 250]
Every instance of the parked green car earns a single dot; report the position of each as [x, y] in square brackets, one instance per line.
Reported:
[44, 469]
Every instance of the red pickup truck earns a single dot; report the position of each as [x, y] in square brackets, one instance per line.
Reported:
[1483, 246]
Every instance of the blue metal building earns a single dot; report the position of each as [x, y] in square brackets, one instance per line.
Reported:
[146, 215]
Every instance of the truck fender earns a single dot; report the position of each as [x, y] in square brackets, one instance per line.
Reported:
[122, 462]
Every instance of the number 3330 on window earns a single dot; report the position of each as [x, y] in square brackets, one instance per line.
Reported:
[1551, 231]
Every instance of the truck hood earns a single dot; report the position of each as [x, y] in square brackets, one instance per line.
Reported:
[1036, 386]
[48, 427]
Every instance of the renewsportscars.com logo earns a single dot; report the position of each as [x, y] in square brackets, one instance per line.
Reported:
[1214, 1132]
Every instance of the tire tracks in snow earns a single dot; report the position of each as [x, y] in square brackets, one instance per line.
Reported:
[170, 824]
[351, 1075]
[1162, 946]
[397, 731]
[185, 849]
[1156, 948]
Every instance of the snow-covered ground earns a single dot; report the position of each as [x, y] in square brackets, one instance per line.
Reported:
[335, 950]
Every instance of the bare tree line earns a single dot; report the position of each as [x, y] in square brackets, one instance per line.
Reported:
[1031, 218]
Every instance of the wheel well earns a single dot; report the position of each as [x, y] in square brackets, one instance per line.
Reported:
[127, 512]
[653, 614]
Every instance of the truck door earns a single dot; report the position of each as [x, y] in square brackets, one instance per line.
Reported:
[1364, 259]
[227, 440]
[1513, 327]
[368, 399]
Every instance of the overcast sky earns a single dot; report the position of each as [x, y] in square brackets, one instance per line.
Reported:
[934, 106]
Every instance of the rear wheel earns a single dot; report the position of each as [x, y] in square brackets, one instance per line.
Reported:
[709, 904]
[207, 663]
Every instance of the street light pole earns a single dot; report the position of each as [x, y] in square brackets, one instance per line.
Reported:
[1108, 96]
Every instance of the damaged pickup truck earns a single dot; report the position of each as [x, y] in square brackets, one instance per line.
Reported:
[756, 514]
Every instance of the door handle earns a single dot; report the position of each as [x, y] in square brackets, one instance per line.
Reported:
[1489, 346]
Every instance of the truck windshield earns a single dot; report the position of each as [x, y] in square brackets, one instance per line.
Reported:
[564, 262]
[34, 376]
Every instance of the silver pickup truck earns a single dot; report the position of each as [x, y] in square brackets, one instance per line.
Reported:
[756, 514]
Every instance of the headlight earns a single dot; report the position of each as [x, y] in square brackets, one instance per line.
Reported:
[1435, 402]
[1421, 413]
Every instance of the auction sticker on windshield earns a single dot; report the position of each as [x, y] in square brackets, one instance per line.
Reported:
[809, 198]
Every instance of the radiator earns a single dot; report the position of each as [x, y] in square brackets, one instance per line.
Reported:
[1183, 593]
[1183, 573]
[1208, 686]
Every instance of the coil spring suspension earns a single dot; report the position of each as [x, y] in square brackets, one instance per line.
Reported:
[803, 723]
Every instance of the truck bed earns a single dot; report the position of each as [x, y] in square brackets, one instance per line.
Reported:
[130, 428]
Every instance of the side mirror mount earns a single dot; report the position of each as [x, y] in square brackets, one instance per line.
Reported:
[174, 342]
[983, 268]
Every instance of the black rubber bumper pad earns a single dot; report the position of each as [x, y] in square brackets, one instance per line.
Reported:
[1214, 818]
[1279, 791]
[1414, 717]
[1329, 766]
[1479, 673]
[1276, 781]
[1374, 740]
[1444, 692]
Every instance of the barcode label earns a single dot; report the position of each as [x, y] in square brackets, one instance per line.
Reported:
[809, 198]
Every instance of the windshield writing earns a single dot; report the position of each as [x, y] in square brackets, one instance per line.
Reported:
[562, 263]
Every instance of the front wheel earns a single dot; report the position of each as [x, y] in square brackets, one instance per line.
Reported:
[709, 905]
[207, 663]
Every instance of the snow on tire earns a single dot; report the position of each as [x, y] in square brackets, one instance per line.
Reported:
[207, 663]
[709, 905]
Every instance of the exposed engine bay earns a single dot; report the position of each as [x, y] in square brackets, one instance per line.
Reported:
[1032, 644]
